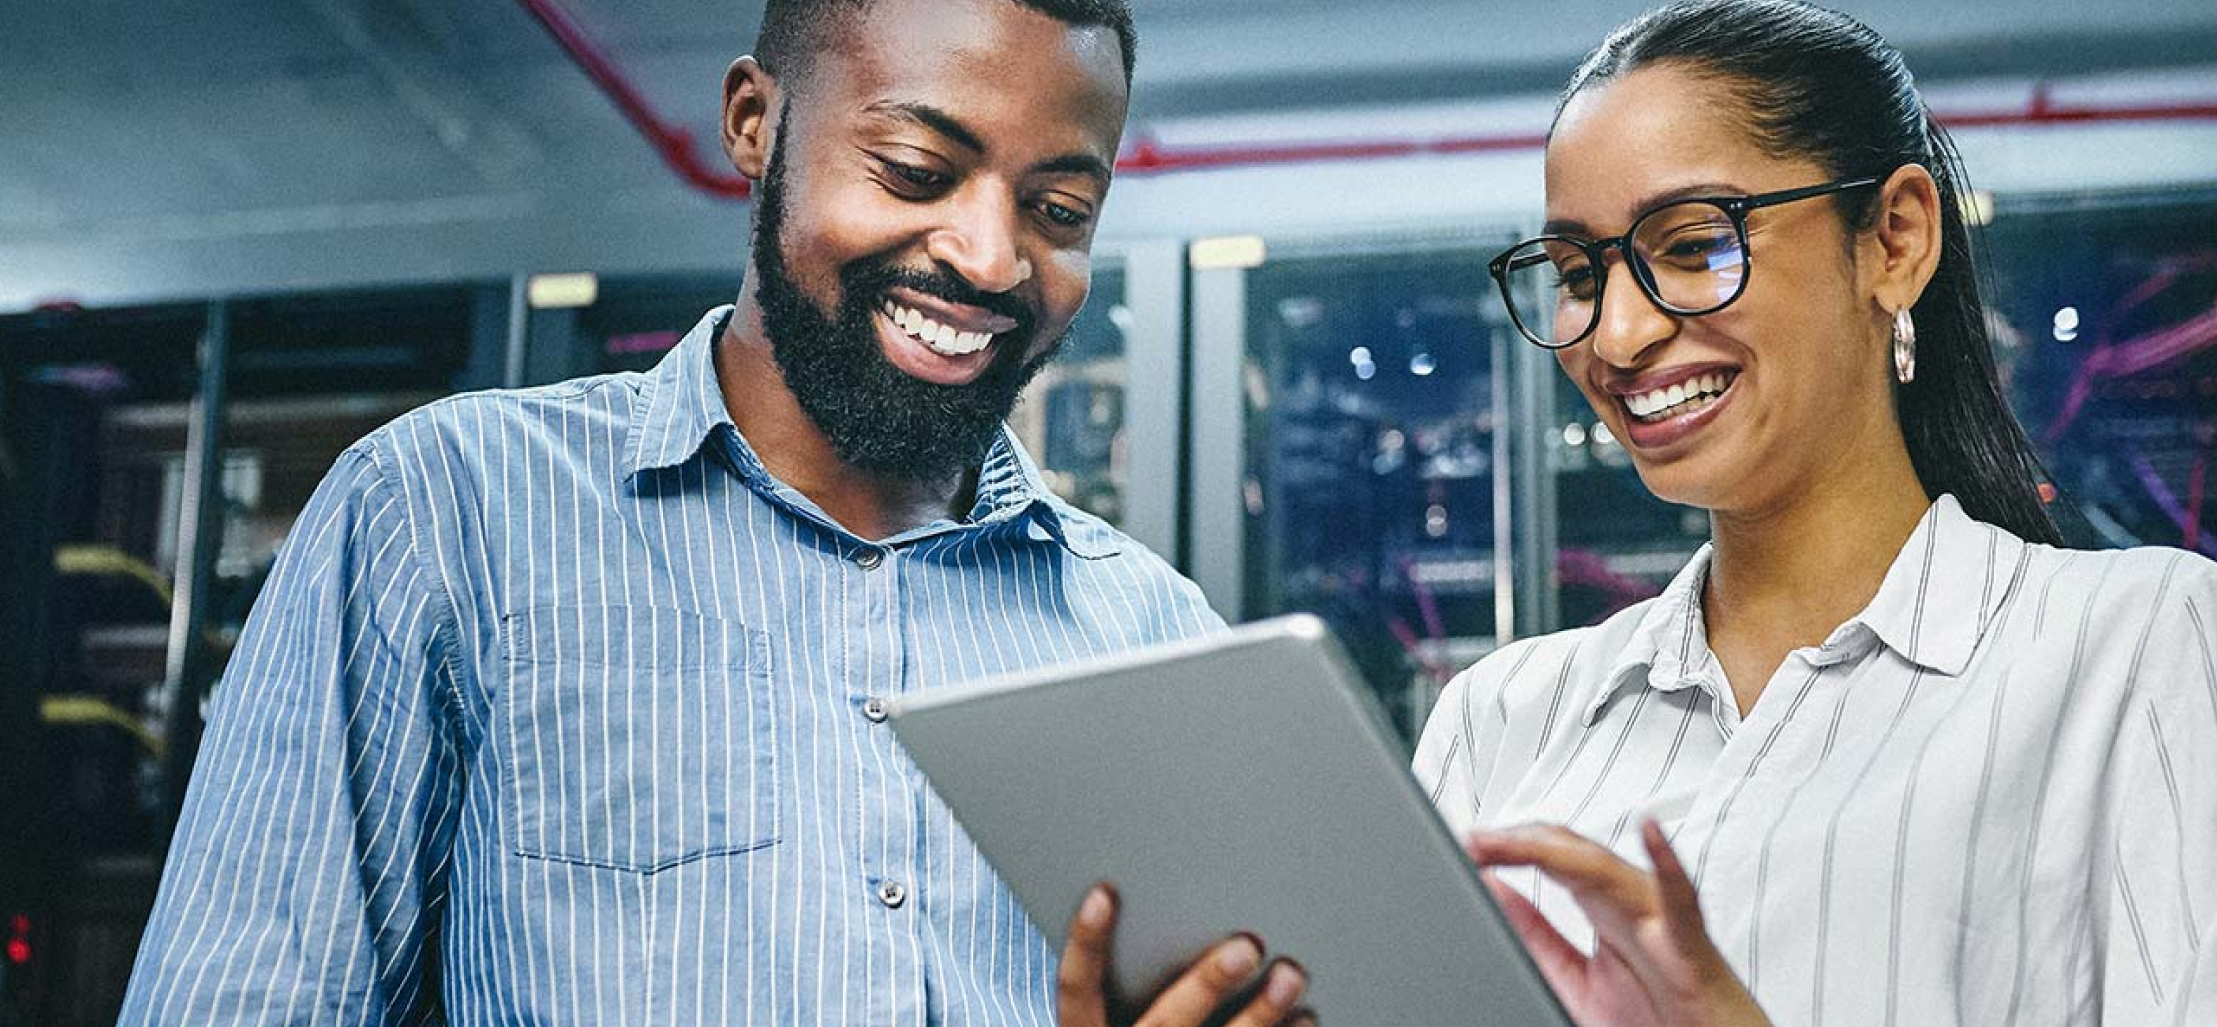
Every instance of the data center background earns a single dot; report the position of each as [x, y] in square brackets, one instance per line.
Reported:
[1293, 378]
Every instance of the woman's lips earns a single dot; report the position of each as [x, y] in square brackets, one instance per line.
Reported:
[1663, 409]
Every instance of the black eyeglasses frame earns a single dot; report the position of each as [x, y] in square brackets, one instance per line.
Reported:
[1737, 208]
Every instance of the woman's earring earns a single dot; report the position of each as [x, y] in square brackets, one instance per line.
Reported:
[1905, 347]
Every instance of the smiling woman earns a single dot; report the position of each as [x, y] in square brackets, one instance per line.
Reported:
[1880, 721]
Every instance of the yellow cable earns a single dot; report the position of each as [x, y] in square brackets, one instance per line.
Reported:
[109, 560]
[85, 710]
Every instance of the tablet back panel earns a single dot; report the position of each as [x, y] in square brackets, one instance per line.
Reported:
[1241, 781]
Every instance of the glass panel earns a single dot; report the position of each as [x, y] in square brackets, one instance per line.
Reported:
[2105, 325]
[98, 416]
[636, 321]
[308, 375]
[1072, 416]
[95, 426]
[1370, 460]
[1615, 543]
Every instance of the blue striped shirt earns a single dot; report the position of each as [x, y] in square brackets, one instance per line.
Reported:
[559, 708]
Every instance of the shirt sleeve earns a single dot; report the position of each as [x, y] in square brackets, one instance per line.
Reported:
[307, 871]
[2158, 906]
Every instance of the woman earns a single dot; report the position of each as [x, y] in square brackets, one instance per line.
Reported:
[1923, 766]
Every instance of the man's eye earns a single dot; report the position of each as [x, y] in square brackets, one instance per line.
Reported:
[920, 178]
[1064, 216]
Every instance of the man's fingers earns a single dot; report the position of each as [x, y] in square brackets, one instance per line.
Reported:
[1559, 961]
[1219, 974]
[1194, 998]
[1273, 1003]
[1082, 979]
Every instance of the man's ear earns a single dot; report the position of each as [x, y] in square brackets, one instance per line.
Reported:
[750, 98]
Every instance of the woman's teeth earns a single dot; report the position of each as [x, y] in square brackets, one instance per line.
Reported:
[1682, 398]
[939, 338]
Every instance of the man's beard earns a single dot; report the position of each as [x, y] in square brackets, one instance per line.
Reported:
[877, 417]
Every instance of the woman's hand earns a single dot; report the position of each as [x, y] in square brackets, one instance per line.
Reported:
[1653, 963]
[1194, 998]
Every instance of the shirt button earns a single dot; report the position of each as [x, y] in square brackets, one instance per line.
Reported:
[869, 559]
[892, 894]
[874, 708]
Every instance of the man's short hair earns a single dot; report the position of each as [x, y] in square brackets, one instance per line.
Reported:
[795, 31]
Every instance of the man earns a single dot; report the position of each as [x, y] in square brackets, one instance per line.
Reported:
[566, 705]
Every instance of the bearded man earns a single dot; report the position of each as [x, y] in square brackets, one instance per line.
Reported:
[567, 705]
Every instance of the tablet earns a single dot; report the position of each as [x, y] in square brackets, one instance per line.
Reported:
[1242, 781]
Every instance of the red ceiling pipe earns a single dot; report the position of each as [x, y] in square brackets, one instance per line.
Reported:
[1149, 156]
[675, 144]
[2042, 111]
[1152, 156]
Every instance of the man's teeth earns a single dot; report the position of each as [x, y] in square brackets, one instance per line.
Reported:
[1681, 398]
[942, 339]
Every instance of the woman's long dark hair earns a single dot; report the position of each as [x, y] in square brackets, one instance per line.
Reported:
[1816, 84]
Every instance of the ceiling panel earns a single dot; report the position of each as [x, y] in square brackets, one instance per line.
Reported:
[193, 119]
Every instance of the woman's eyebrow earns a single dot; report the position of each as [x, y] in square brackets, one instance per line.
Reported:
[1572, 226]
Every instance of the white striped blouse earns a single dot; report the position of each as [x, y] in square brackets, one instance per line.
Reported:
[1989, 798]
[559, 709]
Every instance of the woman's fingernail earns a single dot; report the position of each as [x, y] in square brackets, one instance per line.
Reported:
[1239, 957]
[1286, 982]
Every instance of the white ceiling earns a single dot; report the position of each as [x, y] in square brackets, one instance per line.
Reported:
[143, 142]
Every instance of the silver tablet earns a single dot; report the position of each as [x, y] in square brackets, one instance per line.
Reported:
[1237, 782]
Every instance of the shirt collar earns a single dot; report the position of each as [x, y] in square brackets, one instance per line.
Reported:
[1934, 604]
[683, 409]
[1943, 589]
[1010, 487]
[680, 403]
[1670, 644]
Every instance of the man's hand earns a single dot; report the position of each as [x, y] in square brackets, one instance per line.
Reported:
[1198, 994]
[1653, 963]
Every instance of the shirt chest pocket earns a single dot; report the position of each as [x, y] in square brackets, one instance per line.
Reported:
[637, 738]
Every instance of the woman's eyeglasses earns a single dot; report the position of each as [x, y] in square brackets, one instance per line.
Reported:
[1689, 256]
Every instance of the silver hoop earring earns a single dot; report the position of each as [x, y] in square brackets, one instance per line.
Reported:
[1905, 347]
